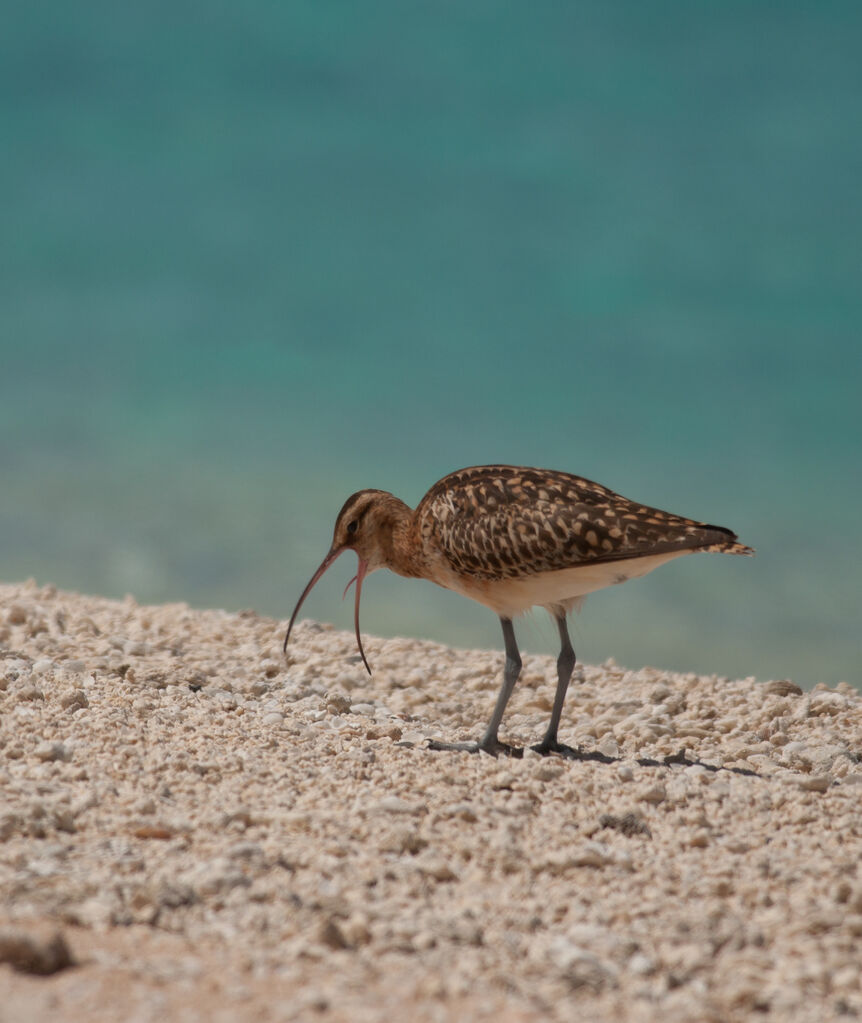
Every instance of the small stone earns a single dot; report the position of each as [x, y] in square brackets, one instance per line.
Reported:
[737, 845]
[273, 719]
[847, 978]
[403, 840]
[825, 704]
[16, 614]
[157, 831]
[464, 811]
[424, 940]
[332, 936]
[94, 912]
[548, 770]
[842, 891]
[625, 772]
[609, 747]
[439, 869]
[74, 699]
[654, 794]
[394, 804]
[356, 932]
[10, 823]
[390, 731]
[39, 953]
[335, 703]
[215, 877]
[173, 894]
[641, 965]
[43, 666]
[580, 967]
[593, 854]
[465, 931]
[50, 751]
[815, 782]
[64, 820]
[629, 824]
[248, 851]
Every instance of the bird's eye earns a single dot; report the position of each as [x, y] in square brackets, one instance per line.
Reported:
[351, 526]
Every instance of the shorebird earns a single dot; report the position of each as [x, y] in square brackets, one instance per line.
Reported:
[514, 538]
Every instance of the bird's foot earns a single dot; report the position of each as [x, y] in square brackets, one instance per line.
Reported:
[548, 747]
[492, 747]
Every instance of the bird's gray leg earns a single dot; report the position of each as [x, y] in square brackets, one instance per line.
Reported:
[489, 742]
[565, 667]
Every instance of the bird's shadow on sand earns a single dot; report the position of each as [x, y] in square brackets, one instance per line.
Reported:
[570, 753]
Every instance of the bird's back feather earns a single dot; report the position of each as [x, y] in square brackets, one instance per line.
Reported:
[505, 522]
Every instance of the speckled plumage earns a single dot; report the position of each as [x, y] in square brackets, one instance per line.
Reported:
[504, 522]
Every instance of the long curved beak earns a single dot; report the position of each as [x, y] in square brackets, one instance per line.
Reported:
[360, 575]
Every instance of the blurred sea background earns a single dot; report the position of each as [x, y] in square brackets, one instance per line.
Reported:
[258, 256]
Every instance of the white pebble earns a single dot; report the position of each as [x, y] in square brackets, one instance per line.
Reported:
[394, 804]
[641, 964]
[49, 751]
[815, 782]
[609, 747]
[654, 794]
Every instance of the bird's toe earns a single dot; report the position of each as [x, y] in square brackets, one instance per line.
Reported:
[546, 749]
[493, 747]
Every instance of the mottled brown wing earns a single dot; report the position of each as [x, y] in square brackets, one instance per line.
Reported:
[500, 521]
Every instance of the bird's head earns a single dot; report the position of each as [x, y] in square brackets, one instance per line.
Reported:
[365, 525]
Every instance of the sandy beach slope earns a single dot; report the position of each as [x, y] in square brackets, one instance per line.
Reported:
[217, 834]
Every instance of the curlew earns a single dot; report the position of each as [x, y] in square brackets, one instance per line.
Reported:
[513, 538]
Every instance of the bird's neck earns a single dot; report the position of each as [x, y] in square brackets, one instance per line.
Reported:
[400, 552]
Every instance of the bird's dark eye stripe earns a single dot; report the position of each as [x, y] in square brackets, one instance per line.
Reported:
[353, 525]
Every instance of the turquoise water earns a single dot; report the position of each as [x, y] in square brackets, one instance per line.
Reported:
[259, 256]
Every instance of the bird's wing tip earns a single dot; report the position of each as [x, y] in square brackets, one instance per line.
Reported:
[741, 548]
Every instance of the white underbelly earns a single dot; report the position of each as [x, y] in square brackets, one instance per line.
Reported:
[564, 588]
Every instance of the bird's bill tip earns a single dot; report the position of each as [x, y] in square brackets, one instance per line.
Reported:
[361, 572]
[324, 565]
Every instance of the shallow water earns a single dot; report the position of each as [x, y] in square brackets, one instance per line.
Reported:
[256, 261]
